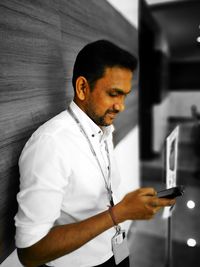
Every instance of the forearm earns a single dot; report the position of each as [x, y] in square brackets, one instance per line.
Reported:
[64, 239]
[61, 240]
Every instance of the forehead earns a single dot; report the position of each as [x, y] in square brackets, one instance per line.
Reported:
[114, 72]
[116, 77]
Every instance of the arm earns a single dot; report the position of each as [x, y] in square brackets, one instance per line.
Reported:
[63, 239]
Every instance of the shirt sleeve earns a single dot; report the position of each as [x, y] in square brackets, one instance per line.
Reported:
[42, 185]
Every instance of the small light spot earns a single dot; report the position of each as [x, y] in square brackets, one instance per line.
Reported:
[198, 39]
[191, 242]
[190, 204]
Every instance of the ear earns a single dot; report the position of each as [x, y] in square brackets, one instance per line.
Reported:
[82, 88]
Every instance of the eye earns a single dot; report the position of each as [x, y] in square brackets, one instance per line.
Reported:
[113, 94]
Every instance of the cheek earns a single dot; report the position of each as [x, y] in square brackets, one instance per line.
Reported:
[107, 104]
[102, 102]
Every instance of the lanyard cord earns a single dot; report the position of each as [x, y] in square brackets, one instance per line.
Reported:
[107, 184]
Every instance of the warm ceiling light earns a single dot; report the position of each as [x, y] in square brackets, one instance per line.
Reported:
[191, 242]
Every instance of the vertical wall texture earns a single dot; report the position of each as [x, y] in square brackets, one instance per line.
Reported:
[31, 91]
[39, 40]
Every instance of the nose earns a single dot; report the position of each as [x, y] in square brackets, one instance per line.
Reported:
[119, 106]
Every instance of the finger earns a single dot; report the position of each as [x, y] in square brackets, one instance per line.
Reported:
[165, 202]
[157, 209]
[159, 202]
[154, 202]
[152, 210]
[148, 191]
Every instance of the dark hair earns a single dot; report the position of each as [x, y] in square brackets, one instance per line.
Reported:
[92, 60]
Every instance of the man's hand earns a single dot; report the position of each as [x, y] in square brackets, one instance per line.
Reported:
[141, 204]
[63, 239]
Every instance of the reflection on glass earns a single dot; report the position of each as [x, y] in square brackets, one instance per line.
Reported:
[172, 156]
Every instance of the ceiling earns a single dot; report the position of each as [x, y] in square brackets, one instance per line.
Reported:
[128, 8]
[179, 20]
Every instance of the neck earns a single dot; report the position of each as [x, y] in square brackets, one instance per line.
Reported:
[81, 106]
[79, 103]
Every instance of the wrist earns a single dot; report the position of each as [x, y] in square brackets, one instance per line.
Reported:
[116, 213]
[112, 215]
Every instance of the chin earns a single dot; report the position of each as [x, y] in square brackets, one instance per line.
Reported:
[105, 124]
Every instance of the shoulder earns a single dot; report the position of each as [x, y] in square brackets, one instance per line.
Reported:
[56, 126]
[55, 131]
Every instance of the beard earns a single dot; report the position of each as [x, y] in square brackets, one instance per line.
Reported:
[102, 120]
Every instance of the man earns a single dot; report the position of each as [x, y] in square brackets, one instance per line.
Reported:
[69, 209]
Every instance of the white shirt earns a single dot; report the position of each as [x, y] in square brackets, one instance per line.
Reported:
[61, 183]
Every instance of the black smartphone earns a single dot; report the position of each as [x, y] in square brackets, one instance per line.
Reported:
[171, 192]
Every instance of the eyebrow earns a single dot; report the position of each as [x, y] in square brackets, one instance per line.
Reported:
[119, 91]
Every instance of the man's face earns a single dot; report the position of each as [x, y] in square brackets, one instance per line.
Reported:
[107, 97]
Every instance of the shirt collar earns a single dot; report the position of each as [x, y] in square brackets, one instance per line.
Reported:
[92, 129]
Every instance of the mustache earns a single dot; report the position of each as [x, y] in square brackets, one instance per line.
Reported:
[112, 111]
